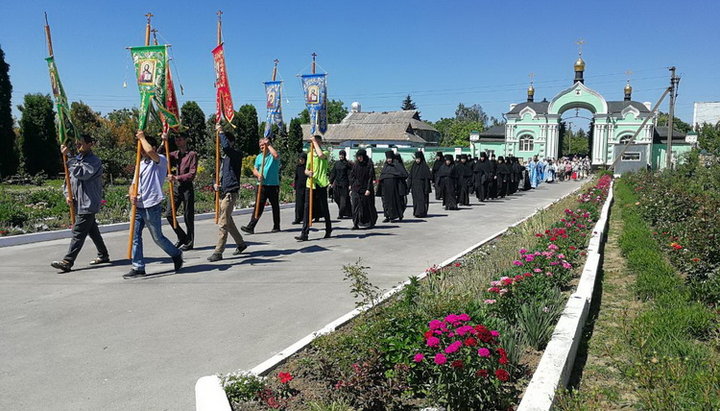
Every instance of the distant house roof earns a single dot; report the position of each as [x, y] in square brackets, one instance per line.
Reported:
[539, 108]
[619, 106]
[661, 134]
[493, 134]
[378, 127]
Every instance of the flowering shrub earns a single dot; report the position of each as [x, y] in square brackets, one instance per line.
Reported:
[461, 365]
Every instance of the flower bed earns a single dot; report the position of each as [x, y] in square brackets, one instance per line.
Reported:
[458, 339]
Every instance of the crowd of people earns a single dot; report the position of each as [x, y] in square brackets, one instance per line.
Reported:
[353, 186]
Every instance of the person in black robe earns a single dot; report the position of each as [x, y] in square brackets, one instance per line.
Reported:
[493, 191]
[465, 175]
[483, 173]
[439, 160]
[392, 187]
[525, 181]
[299, 185]
[517, 172]
[447, 182]
[419, 182]
[503, 177]
[404, 188]
[362, 192]
[340, 183]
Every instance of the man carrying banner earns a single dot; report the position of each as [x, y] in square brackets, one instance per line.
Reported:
[318, 180]
[86, 186]
[186, 162]
[268, 184]
[153, 169]
[231, 166]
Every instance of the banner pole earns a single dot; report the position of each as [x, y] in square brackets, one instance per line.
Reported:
[61, 130]
[136, 178]
[312, 157]
[218, 120]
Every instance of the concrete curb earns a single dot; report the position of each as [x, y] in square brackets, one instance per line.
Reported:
[209, 397]
[22, 239]
[557, 361]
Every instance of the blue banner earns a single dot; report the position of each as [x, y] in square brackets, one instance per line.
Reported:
[273, 103]
[315, 89]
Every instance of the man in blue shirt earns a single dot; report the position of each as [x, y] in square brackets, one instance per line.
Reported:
[269, 180]
[153, 170]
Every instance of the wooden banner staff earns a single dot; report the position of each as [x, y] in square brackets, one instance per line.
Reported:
[264, 154]
[312, 156]
[217, 133]
[64, 156]
[136, 177]
[166, 130]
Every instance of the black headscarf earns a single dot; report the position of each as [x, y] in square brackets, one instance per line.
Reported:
[420, 170]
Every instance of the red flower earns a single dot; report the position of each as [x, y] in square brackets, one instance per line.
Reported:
[502, 375]
[696, 259]
[470, 342]
[285, 377]
[456, 364]
[457, 265]
[428, 334]
[481, 373]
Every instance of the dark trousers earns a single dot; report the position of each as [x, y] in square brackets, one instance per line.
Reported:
[186, 197]
[299, 203]
[271, 193]
[320, 205]
[85, 224]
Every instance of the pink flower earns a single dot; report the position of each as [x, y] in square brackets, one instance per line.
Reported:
[489, 301]
[453, 347]
[464, 317]
[538, 270]
[494, 333]
[433, 342]
[463, 330]
[516, 262]
[418, 357]
[440, 359]
[451, 318]
[503, 291]
[523, 251]
[484, 352]
[566, 265]
[436, 324]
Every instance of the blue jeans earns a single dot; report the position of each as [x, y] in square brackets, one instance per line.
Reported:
[150, 216]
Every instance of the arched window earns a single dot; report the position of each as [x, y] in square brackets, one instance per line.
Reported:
[625, 139]
[526, 143]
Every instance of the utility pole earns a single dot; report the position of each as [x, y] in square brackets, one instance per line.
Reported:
[674, 80]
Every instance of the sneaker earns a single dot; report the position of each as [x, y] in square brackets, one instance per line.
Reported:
[178, 262]
[215, 257]
[100, 260]
[275, 230]
[301, 238]
[134, 273]
[240, 249]
[62, 265]
[246, 229]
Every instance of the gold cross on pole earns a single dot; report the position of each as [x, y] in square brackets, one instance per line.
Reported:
[149, 16]
[532, 77]
[580, 45]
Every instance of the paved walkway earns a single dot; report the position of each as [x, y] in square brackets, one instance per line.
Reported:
[89, 340]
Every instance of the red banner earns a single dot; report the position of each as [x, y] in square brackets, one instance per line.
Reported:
[223, 99]
[171, 103]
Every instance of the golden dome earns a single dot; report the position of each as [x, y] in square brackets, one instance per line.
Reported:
[531, 90]
[580, 64]
[628, 88]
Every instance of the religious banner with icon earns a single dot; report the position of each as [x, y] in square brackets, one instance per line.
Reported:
[273, 103]
[171, 104]
[223, 99]
[151, 69]
[315, 90]
[65, 128]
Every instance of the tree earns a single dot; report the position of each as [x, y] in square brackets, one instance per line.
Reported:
[709, 138]
[471, 113]
[84, 118]
[408, 104]
[9, 160]
[247, 130]
[295, 136]
[459, 133]
[193, 121]
[678, 124]
[40, 147]
[336, 113]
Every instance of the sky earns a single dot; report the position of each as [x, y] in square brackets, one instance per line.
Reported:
[376, 52]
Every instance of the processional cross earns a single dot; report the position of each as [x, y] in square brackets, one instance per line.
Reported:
[580, 45]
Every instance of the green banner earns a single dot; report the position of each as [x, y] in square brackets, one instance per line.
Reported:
[150, 67]
[65, 127]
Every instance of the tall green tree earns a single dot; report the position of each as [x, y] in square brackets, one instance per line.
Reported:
[9, 159]
[408, 104]
[474, 113]
[679, 125]
[193, 120]
[336, 113]
[247, 129]
[295, 136]
[40, 147]
[84, 118]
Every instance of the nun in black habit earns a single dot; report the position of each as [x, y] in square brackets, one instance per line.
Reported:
[340, 183]
[404, 188]
[447, 179]
[420, 185]
[362, 192]
[503, 177]
[392, 187]
[483, 173]
[439, 160]
[465, 175]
